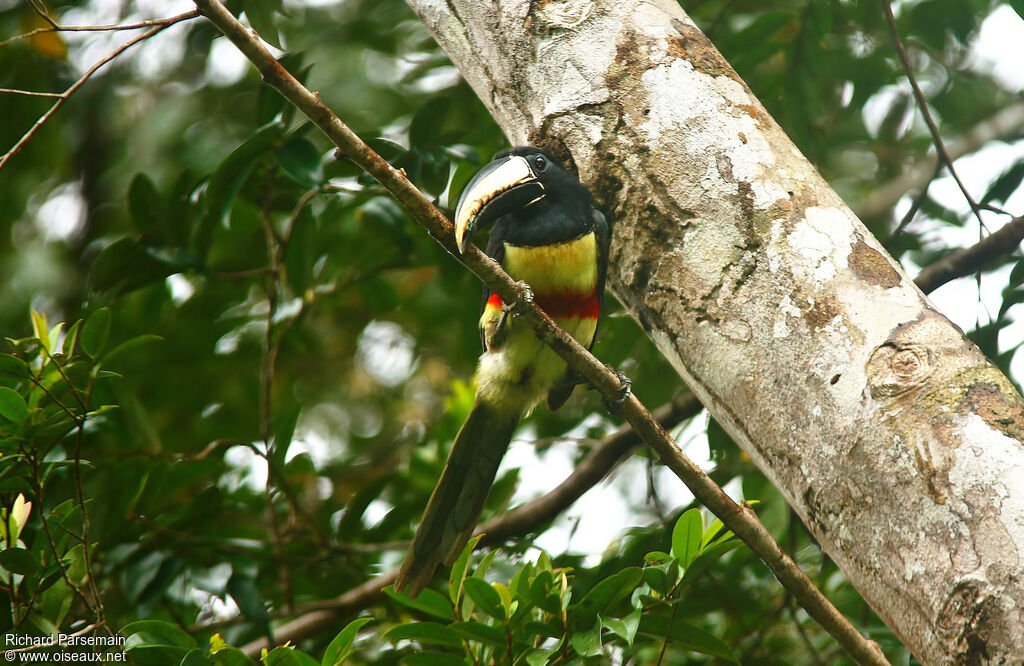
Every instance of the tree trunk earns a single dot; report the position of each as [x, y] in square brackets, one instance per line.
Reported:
[896, 441]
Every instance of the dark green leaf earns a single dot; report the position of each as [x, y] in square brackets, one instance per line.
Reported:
[247, 595]
[425, 128]
[428, 601]
[300, 159]
[663, 626]
[707, 559]
[431, 633]
[300, 255]
[144, 203]
[10, 365]
[479, 632]
[1005, 185]
[607, 592]
[432, 659]
[195, 657]
[157, 632]
[485, 596]
[230, 656]
[19, 561]
[227, 181]
[12, 405]
[261, 16]
[96, 332]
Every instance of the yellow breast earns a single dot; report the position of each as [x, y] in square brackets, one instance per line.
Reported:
[562, 267]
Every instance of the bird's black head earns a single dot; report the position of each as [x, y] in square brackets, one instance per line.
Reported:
[537, 200]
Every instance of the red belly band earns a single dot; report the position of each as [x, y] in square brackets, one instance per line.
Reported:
[562, 305]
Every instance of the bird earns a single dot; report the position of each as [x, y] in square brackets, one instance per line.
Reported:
[548, 233]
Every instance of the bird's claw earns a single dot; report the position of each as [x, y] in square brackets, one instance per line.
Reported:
[625, 389]
[522, 301]
[514, 309]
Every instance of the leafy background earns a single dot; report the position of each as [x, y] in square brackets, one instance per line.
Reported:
[271, 294]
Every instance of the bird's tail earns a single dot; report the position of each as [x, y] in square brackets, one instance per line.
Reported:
[458, 499]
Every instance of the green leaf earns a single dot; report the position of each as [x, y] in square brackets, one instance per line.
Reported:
[707, 559]
[432, 659]
[40, 329]
[587, 643]
[428, 601]
[19, 561]
[196, 657]
[144, 203]
[424, 130]
[261, 16]
[625, 628]
[1018, 6]
[431, 633]
[247, 595]
[605, 593]
[229, 656]
[458, 572]
[288, 656]
[300, 160]
[661, 625]
[130, 344]
[479, 632]
[11, 365]
[12, 405]
[339, 648]
[300, 255]
[1005, 185]
[227, 181]
[157, 632]
[96, 332]
[686, 536]
[485, 596]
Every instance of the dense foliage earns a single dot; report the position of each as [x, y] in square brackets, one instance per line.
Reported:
[264, 360]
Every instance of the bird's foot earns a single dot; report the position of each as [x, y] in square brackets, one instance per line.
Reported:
[523, 300]
[513, 309]
[614, 407]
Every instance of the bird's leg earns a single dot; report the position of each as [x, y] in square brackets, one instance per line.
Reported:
[614, 407]
[524, 298]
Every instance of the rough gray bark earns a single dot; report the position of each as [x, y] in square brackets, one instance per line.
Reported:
[897, 442]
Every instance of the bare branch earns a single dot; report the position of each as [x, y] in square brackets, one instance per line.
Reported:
[740, 519]
[63, 97]
[969, 259]
[86, 28]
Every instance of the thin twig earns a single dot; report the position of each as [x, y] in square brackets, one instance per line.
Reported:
[914, 207]
[86, 28]
[63, 97]
[922, 103]
[30, 93]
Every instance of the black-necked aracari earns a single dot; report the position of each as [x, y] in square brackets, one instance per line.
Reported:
[548, 233]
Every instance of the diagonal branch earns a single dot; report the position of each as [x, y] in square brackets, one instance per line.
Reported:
[968, 260]
[740, 519]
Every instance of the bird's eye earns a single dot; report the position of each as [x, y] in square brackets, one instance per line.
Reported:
[540, 163]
